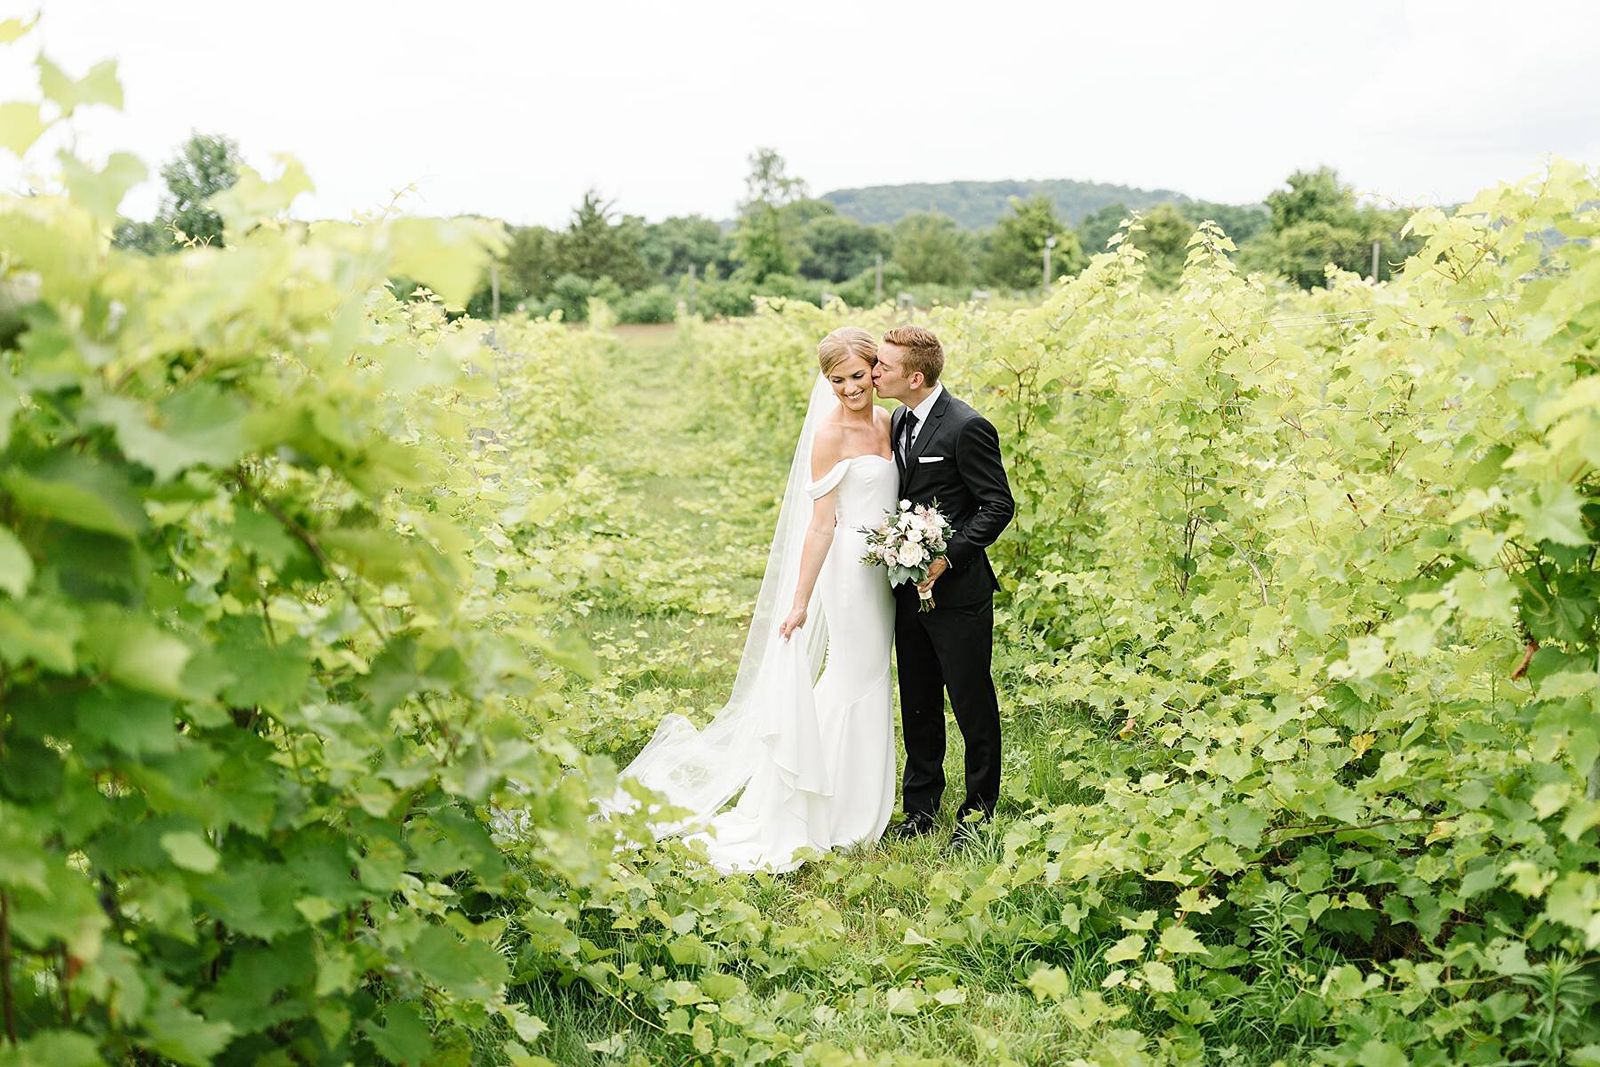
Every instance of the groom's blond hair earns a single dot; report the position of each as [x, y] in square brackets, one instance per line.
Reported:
[923, 351]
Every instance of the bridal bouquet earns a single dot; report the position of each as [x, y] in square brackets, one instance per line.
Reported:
[907, 542]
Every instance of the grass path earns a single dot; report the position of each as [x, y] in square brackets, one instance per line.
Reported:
[690, 519]
[651, 392]
[694, 511]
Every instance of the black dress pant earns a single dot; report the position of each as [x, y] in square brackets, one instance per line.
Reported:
[947, 649]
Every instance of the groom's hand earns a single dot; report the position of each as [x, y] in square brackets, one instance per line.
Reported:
[936, 568]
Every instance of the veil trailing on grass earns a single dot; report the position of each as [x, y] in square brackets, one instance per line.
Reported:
[701, 770]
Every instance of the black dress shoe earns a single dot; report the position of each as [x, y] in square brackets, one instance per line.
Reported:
[965, 835]
[913, 826]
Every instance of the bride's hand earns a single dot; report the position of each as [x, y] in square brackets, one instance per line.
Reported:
[796, 619]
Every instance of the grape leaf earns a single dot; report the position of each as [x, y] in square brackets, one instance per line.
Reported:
[1179, 939]
[190, 851]
[20, 127]
[462, 968]
[1048, 982]
[16, 566]
[75, 490]
[99, 86]
[101, 191]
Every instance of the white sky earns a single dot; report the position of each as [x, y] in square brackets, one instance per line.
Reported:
[512, 109]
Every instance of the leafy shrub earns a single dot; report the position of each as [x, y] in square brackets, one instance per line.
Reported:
[655, 304]
[267, 640]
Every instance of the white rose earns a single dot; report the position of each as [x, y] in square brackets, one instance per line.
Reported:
[914, 535]
[905, 505]
[912, 556]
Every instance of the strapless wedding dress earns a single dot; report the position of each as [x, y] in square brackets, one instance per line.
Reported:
[824, 774]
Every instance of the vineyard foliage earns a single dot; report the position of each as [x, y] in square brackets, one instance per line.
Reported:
[298, 744]
[1325, 563]
[262, 632]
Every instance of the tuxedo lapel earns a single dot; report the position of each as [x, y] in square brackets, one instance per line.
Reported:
[927, 430]
[925, 434]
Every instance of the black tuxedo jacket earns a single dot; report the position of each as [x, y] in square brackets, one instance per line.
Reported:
[956, 461]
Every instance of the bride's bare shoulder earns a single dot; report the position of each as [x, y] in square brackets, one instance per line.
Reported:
[827, 447]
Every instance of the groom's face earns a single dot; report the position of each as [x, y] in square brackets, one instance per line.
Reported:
[888, 377]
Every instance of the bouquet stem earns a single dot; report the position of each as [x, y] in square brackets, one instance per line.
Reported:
[925, 597]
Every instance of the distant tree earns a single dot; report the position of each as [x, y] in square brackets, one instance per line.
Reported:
[931, 248]
[1317, 221]
[806, 210]
[1015, 256]
[632, 272]
[673, 245]
[1313, 196]
[1302, 251]
[597, 245]
[1165, 242]
[205, 165]
[838, 248]
[1241, 222]
[532, 261]
[570, 295]
[528, 269]
[1098, 226]
[149, 237]
[767, 239]
[769, 181]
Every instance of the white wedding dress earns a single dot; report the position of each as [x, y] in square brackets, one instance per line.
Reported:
[811, 759]
[826, 779]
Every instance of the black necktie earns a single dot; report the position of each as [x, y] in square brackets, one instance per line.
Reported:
[906, 427]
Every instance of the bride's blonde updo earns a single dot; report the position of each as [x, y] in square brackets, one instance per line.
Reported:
[845, 342]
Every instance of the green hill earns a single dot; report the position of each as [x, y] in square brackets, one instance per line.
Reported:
[979, 205]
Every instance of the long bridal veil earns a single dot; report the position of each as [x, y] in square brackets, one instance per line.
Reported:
[700, 770]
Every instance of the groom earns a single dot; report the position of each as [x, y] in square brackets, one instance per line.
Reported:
[946, 452]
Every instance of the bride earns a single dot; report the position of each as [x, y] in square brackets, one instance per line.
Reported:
[813, 756]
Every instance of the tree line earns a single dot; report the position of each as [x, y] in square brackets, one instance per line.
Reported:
[786, 243]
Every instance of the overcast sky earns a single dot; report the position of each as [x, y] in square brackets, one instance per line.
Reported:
[512, 109]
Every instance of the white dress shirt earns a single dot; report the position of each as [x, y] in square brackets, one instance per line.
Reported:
[921, 412]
